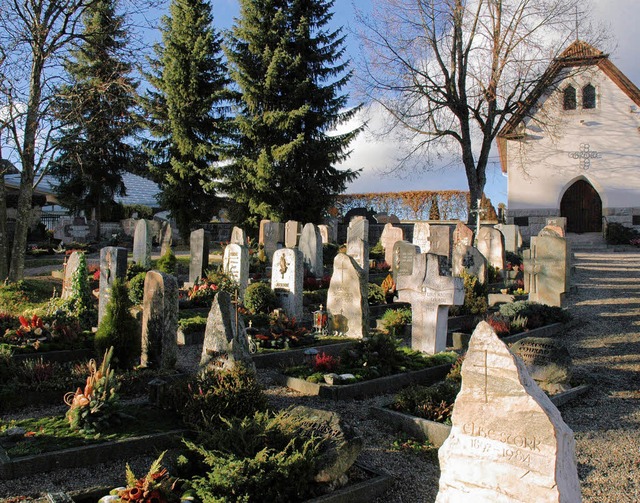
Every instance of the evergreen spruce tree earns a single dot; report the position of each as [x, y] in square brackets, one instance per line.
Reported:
[97, 114]
[286, 63]
[187, 111]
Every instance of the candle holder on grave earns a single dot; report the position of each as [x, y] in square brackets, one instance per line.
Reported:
[320, 319]
[251, 337]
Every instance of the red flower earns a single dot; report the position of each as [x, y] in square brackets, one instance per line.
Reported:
[24, 322]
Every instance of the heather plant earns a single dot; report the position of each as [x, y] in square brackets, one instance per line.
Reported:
[260, 298]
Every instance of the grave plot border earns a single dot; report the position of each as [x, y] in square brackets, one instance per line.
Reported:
[361, 492]
[296, 356]
[379, 386]
[60, 356]
[546, 331]
[436, 433]
[86, 455]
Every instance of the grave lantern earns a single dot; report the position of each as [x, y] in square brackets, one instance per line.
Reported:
[320, 321]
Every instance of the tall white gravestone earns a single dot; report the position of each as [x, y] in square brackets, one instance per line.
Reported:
[347, 299]
[287, 275]
[235, 263]
[390, 236]
[310, 245]
[358, 243]
[142, 239]
[508, 442]
[547, 269]
[491, 245]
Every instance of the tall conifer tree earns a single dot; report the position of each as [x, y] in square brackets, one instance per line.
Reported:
[286, 63]
[97, 113]
[187, 112]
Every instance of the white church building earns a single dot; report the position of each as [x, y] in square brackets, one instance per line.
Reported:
[573, 148]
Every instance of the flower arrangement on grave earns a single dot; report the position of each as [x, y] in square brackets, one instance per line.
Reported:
[157, 486]
[96, 407]
[36, 332]
[283, 332]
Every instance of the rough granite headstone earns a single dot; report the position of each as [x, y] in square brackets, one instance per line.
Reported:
[225, 343]
[199, 254]
[287, 274]
[292, 231]
[430, 296]
[469, 259]
[491, 245]
[462, 234]
[402, 262]
[548, 362]
[347, 302]
[235, 263]
[142, 239]
[310, 245]
[508, 442]
[546, 270]
[358, 242]
[390, 236]
[512, 237]
[70, 267]
[238, 236]
[166, 238]
[113, 265]
[421, 233]
[159, 321]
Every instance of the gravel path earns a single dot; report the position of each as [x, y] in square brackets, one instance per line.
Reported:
[605, 344]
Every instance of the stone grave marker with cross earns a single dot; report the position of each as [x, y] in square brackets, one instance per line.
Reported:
[462, 234]
[430, 296]
[347, 302]
[546, 270]
[491, 245]
[287, 274]
[469, 259]
[508, 441]
[235, 263]
[238, 236]
[440, 240]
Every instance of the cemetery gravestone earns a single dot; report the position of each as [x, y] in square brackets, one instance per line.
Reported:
[559, 222]
[324, 233]
[430, 296]
[292, 231]
[390, 236]
[508, 442]
[512, 237]
[238, 237]
[166, 238]
[311, 248]
[159, 321]
[421, 233]
[548, 362]
[199, 255]
[272, 236]
[491, 245]
[358, 242]
[235, 263]
[113, 265]
[287, 275]
[546, 270]
[462, 234]
[402, 262]
[142, 239]
[552, 230]
[469, 259]
[440, 240]
[347, 299]
[332, 229]
[225, 341]
[70, 268]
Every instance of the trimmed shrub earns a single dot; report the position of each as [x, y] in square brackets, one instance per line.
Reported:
[136, 288]
[167, 263]
[119, 329]
[260, 298]
[376, 295]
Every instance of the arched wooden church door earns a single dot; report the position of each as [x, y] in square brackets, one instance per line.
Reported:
[582, 206]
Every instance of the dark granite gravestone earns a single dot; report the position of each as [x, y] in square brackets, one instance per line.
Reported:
[159, 321]
[310, 245]
[199, 255]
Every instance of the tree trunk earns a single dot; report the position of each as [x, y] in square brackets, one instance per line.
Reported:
[4, 239]
[19, 250]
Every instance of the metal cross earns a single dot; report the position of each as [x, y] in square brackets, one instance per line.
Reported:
[585, 154]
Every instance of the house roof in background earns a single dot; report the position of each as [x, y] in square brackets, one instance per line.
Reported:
[139, 189]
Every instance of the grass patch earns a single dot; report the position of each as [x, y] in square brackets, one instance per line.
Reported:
[49, 434]
[28, 296]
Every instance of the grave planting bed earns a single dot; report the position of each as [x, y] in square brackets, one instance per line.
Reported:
[459, 340]
[296, 356]
[378, 386]
[435, 432]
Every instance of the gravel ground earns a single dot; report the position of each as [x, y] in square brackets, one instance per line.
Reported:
[605, 344]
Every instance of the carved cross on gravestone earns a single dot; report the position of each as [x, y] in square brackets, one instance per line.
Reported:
[546, 270]
[532, 267]
[430, 296]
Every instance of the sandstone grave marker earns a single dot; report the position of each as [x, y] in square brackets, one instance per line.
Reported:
[159, 321]
[546, 270]
[235, 263]
[347, 302]
[142, 243]
[310, 245]
[390, 236]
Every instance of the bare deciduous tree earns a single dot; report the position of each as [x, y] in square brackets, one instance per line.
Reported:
[453, 71]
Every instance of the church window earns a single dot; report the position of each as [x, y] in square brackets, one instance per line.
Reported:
[588, 96]
[569, 102]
